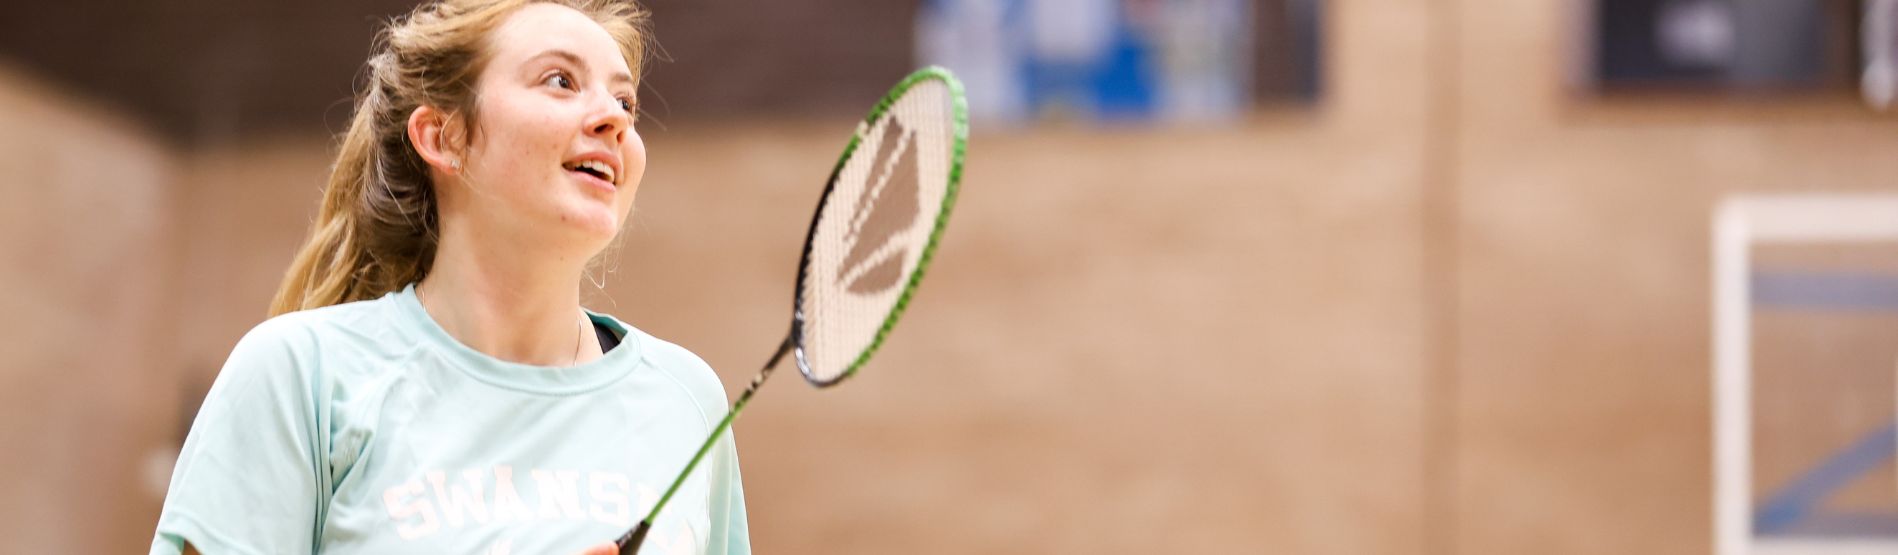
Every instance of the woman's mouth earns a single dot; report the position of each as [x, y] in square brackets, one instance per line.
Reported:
[595, 168]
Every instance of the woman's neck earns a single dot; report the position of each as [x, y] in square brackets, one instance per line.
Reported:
[507, 306]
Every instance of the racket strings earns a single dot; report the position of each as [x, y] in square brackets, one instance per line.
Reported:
[876, 238]
[874, 228]
[890, 154]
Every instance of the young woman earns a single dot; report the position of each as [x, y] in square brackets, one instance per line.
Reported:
[430, 382]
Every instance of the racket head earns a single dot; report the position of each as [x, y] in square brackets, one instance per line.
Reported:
[877, 224]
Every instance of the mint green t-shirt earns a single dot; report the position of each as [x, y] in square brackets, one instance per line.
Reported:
[365, 428]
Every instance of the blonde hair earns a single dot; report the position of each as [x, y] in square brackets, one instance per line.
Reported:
[375, 231]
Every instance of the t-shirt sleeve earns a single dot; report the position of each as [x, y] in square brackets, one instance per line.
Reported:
[729, 534]
[248, 479]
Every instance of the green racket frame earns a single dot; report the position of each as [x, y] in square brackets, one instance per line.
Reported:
[794, 341]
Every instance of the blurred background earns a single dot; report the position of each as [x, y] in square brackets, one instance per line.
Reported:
[1227, 276]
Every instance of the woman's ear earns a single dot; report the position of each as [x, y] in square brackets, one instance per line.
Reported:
[435, 136]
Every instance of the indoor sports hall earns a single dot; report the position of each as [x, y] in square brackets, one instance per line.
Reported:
[1424, 277]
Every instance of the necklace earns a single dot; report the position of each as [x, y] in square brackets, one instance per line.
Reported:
[578, 332]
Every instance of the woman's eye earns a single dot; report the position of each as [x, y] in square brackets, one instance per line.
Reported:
[559, 80]
[626, 104]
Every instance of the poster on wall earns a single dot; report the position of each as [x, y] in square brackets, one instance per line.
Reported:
[1116, 60]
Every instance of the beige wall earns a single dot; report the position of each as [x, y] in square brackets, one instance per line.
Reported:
[245, 210]
[86, 237]
[1454, 309]
[1582, 272]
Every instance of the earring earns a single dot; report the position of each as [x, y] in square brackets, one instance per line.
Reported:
[455, 163]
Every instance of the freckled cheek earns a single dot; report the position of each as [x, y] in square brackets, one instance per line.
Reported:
[531, 132]
[550, 137]
[524, 143]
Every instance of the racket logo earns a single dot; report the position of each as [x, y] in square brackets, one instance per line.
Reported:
[888, 206]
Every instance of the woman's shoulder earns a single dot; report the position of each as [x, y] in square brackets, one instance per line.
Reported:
[326, 328]
[681, 364]
[353, 315]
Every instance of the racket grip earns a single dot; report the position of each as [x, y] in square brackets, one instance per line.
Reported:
[629, 543]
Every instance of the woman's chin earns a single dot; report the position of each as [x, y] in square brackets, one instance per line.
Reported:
[595, 223]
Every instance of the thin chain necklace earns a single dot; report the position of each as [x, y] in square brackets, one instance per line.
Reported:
[578, 332]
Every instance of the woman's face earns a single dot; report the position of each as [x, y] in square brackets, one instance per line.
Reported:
[554, 159]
